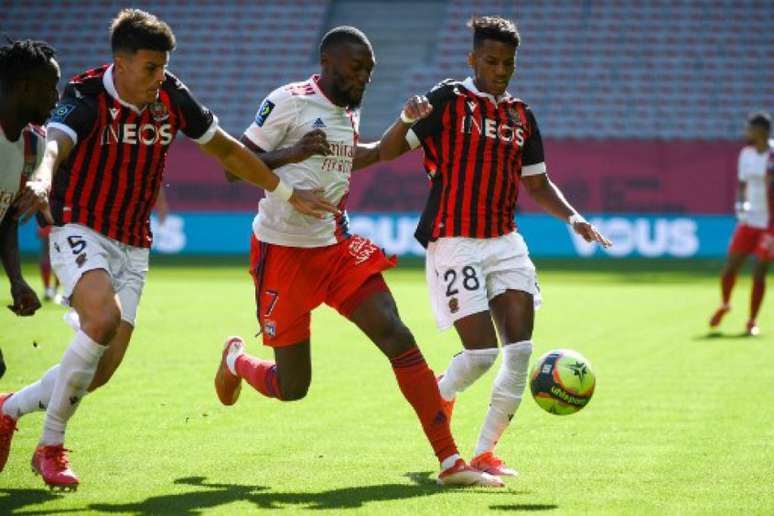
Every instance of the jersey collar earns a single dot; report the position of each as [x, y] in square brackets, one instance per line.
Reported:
[470, 85]
[110, 87]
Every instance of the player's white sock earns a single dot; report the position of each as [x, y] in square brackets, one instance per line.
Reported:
[450, 461]
[76, 371]
[33, 397]
[506, 394]
[465, 368]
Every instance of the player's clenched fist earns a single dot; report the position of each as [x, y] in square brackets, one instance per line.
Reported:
[312, 202]
[416, 108]
[313, 142]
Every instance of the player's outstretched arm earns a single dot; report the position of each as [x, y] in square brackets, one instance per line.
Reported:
[366, 154]
[240, 161]
[34, 196]
[393, 142]
[551, 199]
[25, 301]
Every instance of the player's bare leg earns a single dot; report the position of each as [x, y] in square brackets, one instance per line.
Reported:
[727, 280]
[760, 269]
[94, 301]
[377, 316]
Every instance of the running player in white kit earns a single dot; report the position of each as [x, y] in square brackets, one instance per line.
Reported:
[754, 233]
[308, 133]
[28, 78]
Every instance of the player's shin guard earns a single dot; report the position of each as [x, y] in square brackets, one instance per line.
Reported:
[756, 297]
[33, 397]
[506, 394]
[261, 374]
[465, 368]
[420, 388]
[76, 371]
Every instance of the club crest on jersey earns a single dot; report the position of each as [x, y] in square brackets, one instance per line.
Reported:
[263, 112]
[515, 118]
[159, 111]
[454, 305]
[270, 328]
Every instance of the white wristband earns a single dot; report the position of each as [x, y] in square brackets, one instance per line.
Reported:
[405, 118]
[575, 218]
[284, 191]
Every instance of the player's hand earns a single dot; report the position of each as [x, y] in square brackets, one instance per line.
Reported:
[417, 108]
[312, 202]
[313, 142]
[590, 233]
[33, 198]
[25, 300]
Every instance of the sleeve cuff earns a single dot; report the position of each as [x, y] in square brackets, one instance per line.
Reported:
[209, 133]
[533, 170]
[258, 141]
[65, 129]
[412, 139]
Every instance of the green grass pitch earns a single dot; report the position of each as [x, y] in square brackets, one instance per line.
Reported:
[679, 423]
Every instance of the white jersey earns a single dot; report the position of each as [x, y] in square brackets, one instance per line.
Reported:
[753, 169]
[17, 162]
[283, 118]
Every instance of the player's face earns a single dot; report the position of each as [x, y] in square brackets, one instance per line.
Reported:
[40, 94]
[350, 66]
[141, 75]
[493, 64]
[756, 134]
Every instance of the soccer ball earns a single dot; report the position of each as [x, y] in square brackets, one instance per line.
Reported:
[562, 382]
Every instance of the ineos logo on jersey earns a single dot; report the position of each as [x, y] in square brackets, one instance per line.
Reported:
[145, 134]
[491, 129]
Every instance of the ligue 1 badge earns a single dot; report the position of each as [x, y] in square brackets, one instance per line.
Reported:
[159, 111]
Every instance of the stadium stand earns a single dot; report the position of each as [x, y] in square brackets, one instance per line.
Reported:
[685, 69]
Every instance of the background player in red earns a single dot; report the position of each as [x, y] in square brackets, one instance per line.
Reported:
[107, 141]
[28, 78]
[755, 212]
[308, 133]
[480, 144]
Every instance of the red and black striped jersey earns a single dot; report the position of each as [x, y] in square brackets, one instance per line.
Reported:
[111, 178]
[476, 149]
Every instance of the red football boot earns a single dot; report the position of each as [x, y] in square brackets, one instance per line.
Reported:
[227, 385]
[7, 428]
[51, 463]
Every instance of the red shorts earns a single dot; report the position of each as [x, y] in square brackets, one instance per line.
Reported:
[290, 282]
[749, 240]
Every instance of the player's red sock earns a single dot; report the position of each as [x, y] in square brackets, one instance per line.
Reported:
[727, 281]
[45, 272]
[420, 387]
[756, 297]
[261, 374]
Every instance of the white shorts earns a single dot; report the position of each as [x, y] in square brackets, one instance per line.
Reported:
[464, 274]
[76, 249]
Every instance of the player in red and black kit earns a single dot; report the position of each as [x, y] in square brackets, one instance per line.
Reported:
[107, 141]
[480, 144]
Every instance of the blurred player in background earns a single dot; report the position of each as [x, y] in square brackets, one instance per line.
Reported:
[106, 146]
[754, 234]
[480, 144]
[28, 78]
[308, 132]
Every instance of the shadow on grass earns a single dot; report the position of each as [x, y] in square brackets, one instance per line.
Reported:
[716, 335]
[16, 499]
[215, 494]
[526, 507]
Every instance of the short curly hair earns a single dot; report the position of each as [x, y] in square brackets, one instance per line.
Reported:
[19, 59]
[496, 28]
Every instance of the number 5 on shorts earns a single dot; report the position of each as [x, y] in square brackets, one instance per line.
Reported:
[77, 243]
